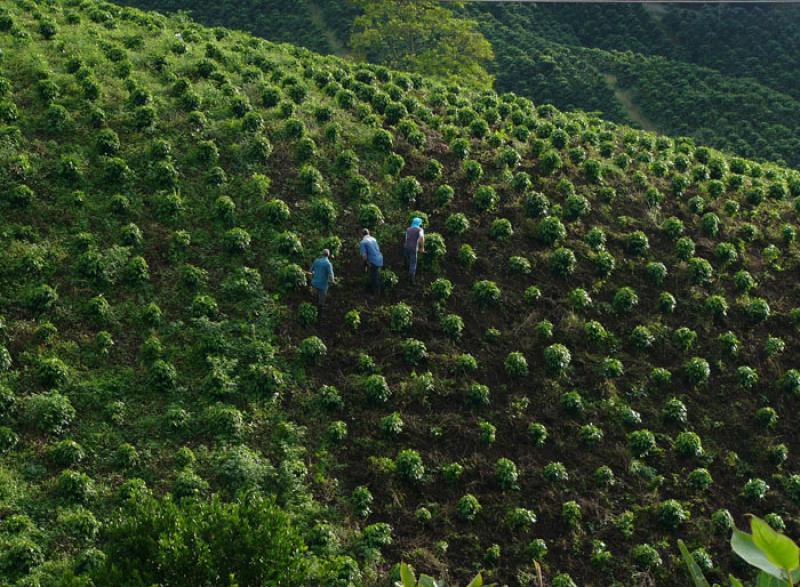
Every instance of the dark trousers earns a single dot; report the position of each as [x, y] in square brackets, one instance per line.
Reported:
[321, 295]
[411, 256]
[374, 279]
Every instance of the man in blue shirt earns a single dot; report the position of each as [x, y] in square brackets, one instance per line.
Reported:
[371, 254]
[322, 276]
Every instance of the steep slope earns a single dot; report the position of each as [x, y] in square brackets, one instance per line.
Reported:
[700, 71]
[540, 59]
[600, 356]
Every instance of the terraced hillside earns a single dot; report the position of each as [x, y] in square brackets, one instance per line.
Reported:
[600, 355]
[723, 75]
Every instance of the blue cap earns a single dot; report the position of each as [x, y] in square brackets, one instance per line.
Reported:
[416, 223]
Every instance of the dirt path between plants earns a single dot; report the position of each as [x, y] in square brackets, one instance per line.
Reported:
[625, 98]
[318, 19]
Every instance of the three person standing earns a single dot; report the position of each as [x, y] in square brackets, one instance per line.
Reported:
[322, 275]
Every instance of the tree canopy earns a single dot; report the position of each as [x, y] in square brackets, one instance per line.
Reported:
[422, 36]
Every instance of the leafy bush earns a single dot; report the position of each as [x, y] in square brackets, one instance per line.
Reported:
[400, 317]
[49, 413]
[516, 365]
[486, 293]
[562, 262]
[468, 507]
[409, 465]
[376, 388]
[250, 538]
[557, 358]
[506, 474]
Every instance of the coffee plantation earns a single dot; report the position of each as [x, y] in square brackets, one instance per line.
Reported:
[597, 359]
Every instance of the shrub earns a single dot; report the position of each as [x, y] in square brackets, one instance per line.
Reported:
[467, 256]
[486, 199]
[576, 206]
[488, 432]
[571, 513]
[250, 538]
[790, 382]
[516, 365]
[452, 325]
[755, 490]
[684, 338]
[468, 507]
[572, 403]
[757, 310]
[550, 230]
[311, 349]
[376, 388]
[555, 472]
[537, 433]
[409, 465]
[562, 262]
[457, 223]
[361, 499]
[408, 190]
[400, 317]
[625, 299]
[532, 295]
[557, 358]
[392, 425]
[236, 240]
[671, 514]
[478, 395]
[700, 271]
[74, 487]
[501, 229]
[699, 479]
[536, 205]
[688, 444]
[414, 351]
[641, 443]
[49, 413]
[443, 195]
[697, 370]
[486, 293]
[162, 376]
[441, 289]
[506, 473]
[590, 434]
[646, 557]
[20, 555]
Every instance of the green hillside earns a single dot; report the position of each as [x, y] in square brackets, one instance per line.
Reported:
[600, 356]
[701, 71]
[562, 54]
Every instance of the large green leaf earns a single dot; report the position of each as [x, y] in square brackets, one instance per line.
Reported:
[743, 545]
[734, 581]
[694, 571]
[407, 576]
[779, 549]
[765, 580]
[476, 582]
[428, 581]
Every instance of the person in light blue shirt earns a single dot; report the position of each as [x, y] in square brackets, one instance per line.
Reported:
[322, 276]
[373, 259]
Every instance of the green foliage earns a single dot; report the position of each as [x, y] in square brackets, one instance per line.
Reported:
[154, 540]
[429, 40]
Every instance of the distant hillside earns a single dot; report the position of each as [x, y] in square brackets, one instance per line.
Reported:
[746, 102]
[600, 355]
